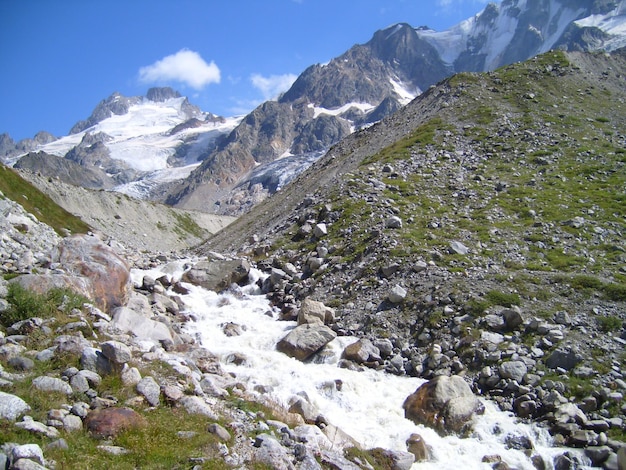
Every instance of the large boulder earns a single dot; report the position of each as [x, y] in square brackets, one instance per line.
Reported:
[108, 272]
[217, 274]
[445, 404]
[312, 311]
[305, 340]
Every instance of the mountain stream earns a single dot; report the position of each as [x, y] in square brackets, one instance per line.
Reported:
[367, 405]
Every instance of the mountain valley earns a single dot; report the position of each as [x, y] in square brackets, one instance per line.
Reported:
[412, 212]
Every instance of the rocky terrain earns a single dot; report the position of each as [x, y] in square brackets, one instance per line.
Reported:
[135, 223]
[480, 229]
[474, 239]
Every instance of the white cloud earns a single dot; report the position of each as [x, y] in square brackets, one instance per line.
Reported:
[185, 66]
[273, 85]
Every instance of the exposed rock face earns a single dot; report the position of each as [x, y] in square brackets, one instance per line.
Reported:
[107, 272]
[115, 104]
[444, 403]
[67, 170]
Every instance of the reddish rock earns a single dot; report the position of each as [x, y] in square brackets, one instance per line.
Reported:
[108, 422]
[108, 273]
[445, 404]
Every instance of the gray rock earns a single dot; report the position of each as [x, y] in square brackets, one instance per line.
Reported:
[314, 312]
[52, 384]
[320, 230]
[131, 376]
[217, 275]
[196, 405]
[220, 432]
[116, 352]
[128, 321]
[30, 425]
[564, 359]
[305, 340]
[514, 370]
[150, 390]
[92, 359]
[27, 451]
[393, 222]
[72, 423]
[12, 406]
[270, 452]
[458, 248]
[21, 363]
[397, 294]
[361, 351]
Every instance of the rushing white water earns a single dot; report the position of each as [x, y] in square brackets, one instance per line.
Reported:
[367, 405]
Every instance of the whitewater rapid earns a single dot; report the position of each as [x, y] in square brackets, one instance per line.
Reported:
[367, 405]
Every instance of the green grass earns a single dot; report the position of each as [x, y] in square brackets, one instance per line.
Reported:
[185, 225]
[24, 303]
[16, 188]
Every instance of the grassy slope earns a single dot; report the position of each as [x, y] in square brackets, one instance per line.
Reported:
[14, 187]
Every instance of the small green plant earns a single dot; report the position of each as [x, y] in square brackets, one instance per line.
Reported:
[25, 303]
[610, 323]
[503, 299]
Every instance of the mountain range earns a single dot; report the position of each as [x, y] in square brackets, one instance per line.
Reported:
[162, 147]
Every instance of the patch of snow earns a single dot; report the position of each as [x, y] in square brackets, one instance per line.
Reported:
[613, 23]
[365, 107]
[143, 187]
[142, 139]
[406, 95]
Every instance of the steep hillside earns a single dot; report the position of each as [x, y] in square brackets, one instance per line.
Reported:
[490, 194]
[372, 80]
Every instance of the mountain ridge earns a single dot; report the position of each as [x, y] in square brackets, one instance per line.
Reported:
[227, 166]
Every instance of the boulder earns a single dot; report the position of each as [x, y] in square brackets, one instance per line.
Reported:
[361, 351]
[445, 404]
[217, 275]
[12, 406]
[397, 294]
[108, 273]
[52, 384]
[564, 359]
[128, 321]
[514, 370]
[43, 283]
[305, 340]
[312, 311]
[150, 390]
[108, 422]
[116, 352]
[27, 451]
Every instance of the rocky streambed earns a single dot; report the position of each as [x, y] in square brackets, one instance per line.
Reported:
[137, 347]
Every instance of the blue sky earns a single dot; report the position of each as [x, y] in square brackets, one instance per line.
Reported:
[61, 57]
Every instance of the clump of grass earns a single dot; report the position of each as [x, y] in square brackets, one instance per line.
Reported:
[25, 303]
[185, 225]
[503, 299]
[610, 323]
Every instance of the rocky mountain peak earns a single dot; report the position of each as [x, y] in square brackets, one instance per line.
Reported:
[117, 104]
[161, 94]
